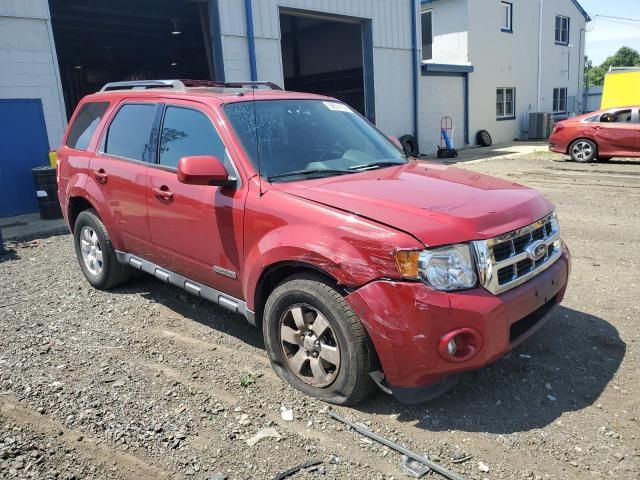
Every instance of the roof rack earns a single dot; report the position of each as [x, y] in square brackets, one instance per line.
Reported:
[183, 85]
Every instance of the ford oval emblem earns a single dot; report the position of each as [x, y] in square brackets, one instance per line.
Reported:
[536, 250]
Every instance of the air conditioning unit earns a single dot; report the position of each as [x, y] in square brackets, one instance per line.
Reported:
[540, 125]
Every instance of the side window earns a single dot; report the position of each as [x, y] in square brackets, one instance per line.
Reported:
[507, 17]
[505, 103]
[187, 132]
[85, 124]
[620, 116]
[562, 30]
[129, 132]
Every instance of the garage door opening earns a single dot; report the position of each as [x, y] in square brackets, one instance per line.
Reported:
[325, 55]
[100, 41]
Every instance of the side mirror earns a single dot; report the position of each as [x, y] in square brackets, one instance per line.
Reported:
[395, 141]
[203, 170]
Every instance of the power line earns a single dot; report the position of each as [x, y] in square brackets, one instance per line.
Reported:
[618, 18]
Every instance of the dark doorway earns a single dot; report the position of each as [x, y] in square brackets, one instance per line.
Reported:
[100, 41]
[325, 56]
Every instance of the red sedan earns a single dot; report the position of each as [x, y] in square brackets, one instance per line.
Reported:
[599, 135]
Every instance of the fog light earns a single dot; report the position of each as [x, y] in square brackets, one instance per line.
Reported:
[460, 345]
[452, 348]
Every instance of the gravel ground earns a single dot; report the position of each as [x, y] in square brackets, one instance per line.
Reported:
[147, 382]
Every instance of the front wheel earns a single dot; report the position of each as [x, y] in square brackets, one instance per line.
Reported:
[583, 151]
[316, 343]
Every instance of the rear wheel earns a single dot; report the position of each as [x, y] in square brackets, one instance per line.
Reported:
[316, 342]
[583, 151]
[96, 254]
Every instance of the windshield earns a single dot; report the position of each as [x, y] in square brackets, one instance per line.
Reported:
[294, 139]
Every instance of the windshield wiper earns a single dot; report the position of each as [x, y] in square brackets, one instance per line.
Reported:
[374, 166]
[309, 173]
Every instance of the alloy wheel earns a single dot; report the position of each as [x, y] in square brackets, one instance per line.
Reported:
[309, 345]
[91, 250]
[582, 151]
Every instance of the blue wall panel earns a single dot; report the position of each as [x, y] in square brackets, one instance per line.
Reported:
[23, 145]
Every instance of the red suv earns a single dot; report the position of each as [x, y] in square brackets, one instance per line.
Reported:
[362, 266]
[598, 135]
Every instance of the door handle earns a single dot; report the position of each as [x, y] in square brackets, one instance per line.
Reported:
[163, 193]
[101, 175]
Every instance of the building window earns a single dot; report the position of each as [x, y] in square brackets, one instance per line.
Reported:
[560, 100]
[507, 16]
[427, 34]
[562, 30]
[505, 103]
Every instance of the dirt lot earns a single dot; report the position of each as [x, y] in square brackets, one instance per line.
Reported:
[145, 382]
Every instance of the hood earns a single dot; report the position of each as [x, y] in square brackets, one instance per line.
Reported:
[436, 204]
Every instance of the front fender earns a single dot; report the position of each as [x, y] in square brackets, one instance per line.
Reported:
[352, 262]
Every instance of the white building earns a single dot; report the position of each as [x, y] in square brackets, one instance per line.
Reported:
[404, 64]
[518, 57]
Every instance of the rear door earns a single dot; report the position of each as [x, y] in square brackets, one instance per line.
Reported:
[196, 230]
[119, 175]
[614, 132]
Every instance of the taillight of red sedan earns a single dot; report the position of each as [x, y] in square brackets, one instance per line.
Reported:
[558, 126]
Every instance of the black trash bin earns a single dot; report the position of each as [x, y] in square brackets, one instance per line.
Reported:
[47, 192]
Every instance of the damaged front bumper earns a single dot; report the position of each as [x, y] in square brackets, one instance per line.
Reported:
[408, 323]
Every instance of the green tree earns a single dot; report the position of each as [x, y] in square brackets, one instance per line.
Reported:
[625, 57]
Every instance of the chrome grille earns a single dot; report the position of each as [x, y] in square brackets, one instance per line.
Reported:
[509, 260]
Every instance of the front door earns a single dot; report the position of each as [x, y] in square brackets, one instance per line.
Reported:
[120, 173]
[615, 132]
[196, 230]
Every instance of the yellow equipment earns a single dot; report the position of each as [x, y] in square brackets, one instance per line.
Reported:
[621, 88]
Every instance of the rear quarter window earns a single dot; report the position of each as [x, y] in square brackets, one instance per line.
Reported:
[85, 124]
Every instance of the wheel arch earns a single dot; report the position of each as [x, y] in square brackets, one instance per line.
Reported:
[274, 274]
[75, 206]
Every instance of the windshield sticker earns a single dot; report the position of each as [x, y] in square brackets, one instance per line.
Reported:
[338, 107]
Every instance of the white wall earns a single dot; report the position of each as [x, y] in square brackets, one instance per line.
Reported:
[392, 51]
[439, 97]
[450, 32]
[28, 61]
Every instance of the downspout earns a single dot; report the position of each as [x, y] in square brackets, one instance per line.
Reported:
[414, 47]
[251, 41]
[465, 80]
[540, 58]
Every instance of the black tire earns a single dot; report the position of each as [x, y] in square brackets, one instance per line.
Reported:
[583, 150]
[112, 273]
[352, 382]
[410, 145]
[484, 138]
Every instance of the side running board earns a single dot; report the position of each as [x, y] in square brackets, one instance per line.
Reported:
[191, 286]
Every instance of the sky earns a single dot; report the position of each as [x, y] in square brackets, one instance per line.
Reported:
[605, 35]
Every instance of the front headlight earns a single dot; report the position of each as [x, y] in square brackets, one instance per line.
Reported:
[448, 268]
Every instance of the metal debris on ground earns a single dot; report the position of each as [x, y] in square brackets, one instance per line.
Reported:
[398, 448]
[413, 468]
[296, 469]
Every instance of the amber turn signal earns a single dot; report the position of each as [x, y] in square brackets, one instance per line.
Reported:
[407, 261]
